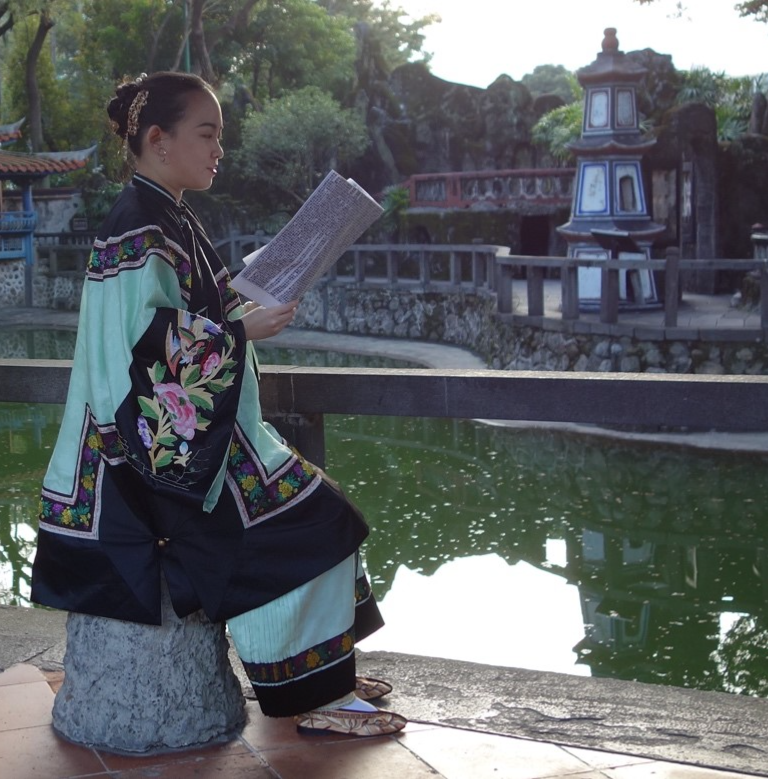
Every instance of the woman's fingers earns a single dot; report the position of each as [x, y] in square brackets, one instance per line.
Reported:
[263, 322]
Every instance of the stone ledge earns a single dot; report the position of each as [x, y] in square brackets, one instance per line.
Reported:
[716, 730]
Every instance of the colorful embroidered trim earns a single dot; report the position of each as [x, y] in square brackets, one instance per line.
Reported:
[78, 512]
[198, 366]
[131, 251]
[258, 495]
[292, 668]
[230, 300]
[362, 590]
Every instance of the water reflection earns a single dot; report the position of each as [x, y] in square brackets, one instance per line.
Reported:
[20, 343]
[27, 433]
[667, 548]
[521, 547]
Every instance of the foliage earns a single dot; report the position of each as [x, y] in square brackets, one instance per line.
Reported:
[395, 202]
[400, 37]
[741, 657]
[562, 126]
[15, 79]
[292, 63]
[756, 8]
[731, 98]
[292, 144]
[552, 80]
[99, 194]
[138, 36]
[559, 128]
[290, 44]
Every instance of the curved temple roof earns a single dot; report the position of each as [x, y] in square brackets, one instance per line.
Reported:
[10, 132]
[17, 165]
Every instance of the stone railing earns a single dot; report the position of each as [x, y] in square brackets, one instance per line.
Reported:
[760, 244]
[296, 399]
[512, 266]
[59, 253]
[455, 267]
[546, 186]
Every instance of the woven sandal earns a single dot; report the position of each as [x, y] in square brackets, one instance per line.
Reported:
[370, 689]
[350, 723]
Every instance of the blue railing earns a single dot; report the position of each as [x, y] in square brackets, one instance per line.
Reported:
[21, 222]
[15, 227]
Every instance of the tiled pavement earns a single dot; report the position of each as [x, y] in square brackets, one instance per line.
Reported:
[271, 749]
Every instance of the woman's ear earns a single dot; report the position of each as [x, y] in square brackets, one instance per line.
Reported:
[155, 137]
[155, 134]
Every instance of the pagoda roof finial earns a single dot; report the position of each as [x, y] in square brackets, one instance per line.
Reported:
[610, 41]
[611, 64]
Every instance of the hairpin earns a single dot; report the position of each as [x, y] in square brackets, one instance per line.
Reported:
[135, 110]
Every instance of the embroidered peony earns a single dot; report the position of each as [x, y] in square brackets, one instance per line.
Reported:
[181, 410]
[211, 363]
[144, 432]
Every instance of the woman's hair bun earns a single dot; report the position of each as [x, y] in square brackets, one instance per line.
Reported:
[158, 99]
[119, 106]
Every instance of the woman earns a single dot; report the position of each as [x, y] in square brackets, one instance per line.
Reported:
[164, 465]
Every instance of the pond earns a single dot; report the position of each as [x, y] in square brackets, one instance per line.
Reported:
[520, 547]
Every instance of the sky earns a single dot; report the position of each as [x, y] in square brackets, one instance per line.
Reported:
[478, 40]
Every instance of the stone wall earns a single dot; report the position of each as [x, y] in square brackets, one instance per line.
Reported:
[12, 283]
[463, 319]
[54, 207]
[470, 321]
[60, 291]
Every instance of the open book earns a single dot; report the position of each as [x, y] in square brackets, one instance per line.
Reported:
[332, 218]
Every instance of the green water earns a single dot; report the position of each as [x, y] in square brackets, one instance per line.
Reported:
[521, 547]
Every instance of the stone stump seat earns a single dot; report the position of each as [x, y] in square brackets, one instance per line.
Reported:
[142, 689]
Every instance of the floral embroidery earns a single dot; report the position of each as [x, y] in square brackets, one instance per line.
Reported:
[76, 512]
[174, 399]
[183, 389]
[257, 495]
[299, 665]
[132, 250]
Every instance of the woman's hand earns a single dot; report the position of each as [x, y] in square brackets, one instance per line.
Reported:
[260, 322]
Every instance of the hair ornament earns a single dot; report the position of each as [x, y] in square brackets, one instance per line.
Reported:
[135, 110]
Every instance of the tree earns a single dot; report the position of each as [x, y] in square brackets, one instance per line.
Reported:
[756, 8]
[561, 126]
[729, 97]
[550, 80]
[28, 22]
[290, 44]
[741, 657]
[6, 18]
[69, 82]
[137, 36]
[291, 145]
[35, 117]
[558, 128]
[400, 36]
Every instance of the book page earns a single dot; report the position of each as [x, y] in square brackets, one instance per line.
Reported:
[334, 216]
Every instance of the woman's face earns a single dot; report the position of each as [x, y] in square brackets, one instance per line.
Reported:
[192, 151]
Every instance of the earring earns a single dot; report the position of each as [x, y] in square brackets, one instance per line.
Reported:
[163, 152]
